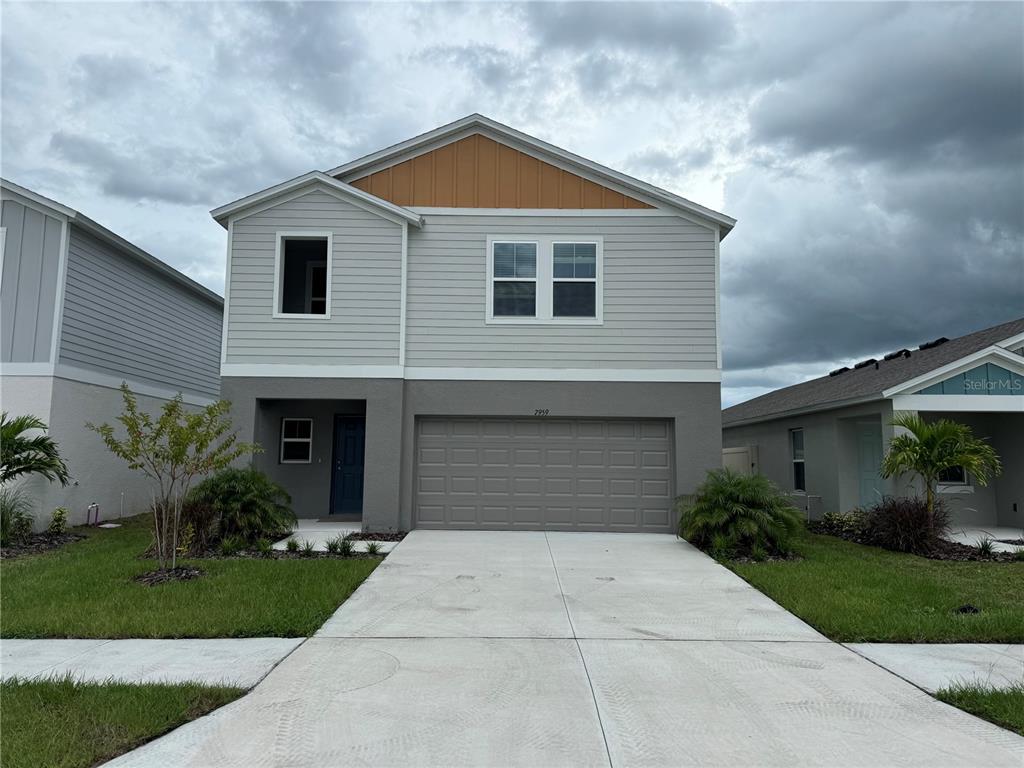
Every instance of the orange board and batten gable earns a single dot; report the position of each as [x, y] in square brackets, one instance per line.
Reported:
[478, 172]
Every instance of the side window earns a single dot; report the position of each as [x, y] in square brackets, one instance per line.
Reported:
[953, 476]
[796, 443]
[296, 441]
[514, 274]
[303, 275]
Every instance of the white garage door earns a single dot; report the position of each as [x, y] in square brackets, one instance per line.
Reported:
[544, 474]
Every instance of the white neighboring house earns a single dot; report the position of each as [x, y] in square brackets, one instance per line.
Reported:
[81, 310]
[826, 437]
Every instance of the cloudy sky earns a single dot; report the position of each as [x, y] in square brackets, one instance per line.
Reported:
[872, 152]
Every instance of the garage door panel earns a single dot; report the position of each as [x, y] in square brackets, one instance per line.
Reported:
[530, 474]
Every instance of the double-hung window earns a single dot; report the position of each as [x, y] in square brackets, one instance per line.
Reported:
[554, 280]
[796, 443]
[296, 441]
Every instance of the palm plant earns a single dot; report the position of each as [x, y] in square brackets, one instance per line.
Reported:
[247, 504]
[734, 514]
[930, 448]
[21, 454]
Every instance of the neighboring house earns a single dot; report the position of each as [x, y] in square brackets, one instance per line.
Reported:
[476, 329]
[826, 437]
[82, 311]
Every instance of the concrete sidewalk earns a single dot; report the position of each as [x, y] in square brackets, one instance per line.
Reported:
[527, 649]
[933, 666]
[240, 662]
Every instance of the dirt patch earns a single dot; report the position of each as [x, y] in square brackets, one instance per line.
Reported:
[38, 543]
[164, 575]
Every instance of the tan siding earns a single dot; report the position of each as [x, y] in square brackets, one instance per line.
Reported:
[659, 296]
[478, 172]
[366, 278]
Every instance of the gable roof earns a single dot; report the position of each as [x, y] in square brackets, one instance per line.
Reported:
[112, 238]
[869, 382]
[314, 179]
[477, 123]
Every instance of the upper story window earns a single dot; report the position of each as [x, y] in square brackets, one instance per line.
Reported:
[303, 275]
[554, 280]
[796, 444]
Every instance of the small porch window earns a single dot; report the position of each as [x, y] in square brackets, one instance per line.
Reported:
[953, 476]
[303, 287]
[296, 441]
[796, 443]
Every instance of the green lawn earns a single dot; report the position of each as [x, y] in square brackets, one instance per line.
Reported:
[62, 724]
[86, 590]
[1002, 707]
[853, 593]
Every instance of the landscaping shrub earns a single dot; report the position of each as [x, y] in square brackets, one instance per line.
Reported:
[845, 525]
[58, 521]
[231, 545]
[905, 525]
[15, 516]
[734, 515]
[292, 545]
[240, 502]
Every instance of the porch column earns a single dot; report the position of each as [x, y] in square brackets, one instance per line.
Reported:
[382, 469]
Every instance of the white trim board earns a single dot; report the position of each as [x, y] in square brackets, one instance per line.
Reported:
[84, 376]
[273, 370]
[534, 212]
[959, 403]
[58, 300]
[300, 234]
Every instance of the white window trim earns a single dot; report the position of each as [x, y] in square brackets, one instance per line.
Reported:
[545, 281]
[307, 440]
[300, 234]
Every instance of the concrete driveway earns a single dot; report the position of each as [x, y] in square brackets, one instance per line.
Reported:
[569, 649]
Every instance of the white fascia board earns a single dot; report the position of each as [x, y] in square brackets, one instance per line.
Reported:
[1011, 342]
[683, 375]
[10, 190]
[225, 212]
[534, 146]
[992, 354]
[959, 403]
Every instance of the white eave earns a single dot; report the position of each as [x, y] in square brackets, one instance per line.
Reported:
[71, 215]
[312, 179]
[477, 123]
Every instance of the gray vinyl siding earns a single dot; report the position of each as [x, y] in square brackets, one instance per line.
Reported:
[659, 296]
[31, 267]
[366, 280]
[125, 320]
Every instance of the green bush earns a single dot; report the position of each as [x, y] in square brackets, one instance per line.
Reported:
[845, 525]
[906, 524]
[58, 521]
[15, 516]
[231, 545]
[735, 515]
[292, 545]
[240, 502]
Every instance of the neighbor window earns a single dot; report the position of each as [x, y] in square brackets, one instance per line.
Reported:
[574, 292]
[515, 279]
[296, 441]
[544, 279]
[303, 279]
[796, 442]
[953, 476]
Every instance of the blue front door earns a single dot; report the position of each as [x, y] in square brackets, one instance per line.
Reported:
[347, 482]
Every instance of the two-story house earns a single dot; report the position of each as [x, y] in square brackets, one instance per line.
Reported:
[81, 311]
[476, 329]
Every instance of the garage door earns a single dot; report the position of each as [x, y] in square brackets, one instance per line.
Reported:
[544, 474]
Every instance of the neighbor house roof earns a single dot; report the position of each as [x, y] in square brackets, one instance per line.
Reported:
[504, 134]
[869, 381]
[313, 179]
[114, 239]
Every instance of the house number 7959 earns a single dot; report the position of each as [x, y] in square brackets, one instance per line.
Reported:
[541, 412]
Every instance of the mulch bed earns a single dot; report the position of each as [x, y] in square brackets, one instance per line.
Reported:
[164, 575]
[370, 536]
[280, 554]
[790, 558]
[1016, 542]
[942, 550]
[38, 543]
